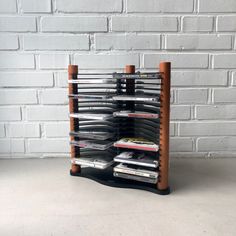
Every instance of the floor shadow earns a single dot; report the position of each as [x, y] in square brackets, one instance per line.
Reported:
[204, 173]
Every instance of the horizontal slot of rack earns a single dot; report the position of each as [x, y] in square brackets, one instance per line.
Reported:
[147, 172]
[144, 159]
[135, 114]
[99, 135]
[91, 116]
[137, 143]
[98, 162]
[91, 144]
[136, 178]
[135, 98]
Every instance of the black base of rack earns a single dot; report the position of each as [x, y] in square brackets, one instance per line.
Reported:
[106, 177]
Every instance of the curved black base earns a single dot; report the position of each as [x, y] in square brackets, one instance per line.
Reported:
[106, 177]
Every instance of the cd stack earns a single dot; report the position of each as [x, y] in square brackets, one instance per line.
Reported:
[138, 150]
[96, 130]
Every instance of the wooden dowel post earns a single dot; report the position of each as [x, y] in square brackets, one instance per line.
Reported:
[163, 183]
[73, 108]
[130, 89]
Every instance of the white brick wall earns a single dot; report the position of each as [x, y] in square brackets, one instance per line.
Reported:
[207, 128]
[193, 96]
[54, 96]
[105, 61]
[9, 42]
[226, 23]
[23, 130]
[52, 42]
[35, 6]
[180, 61]
[26, 79]
[143, 23]
[38, 39]
[16, 61]
[53, 61]
[10, 113]
[171, 6]
[57, 129]
[127, 42]
[2, 130]
[197, 23]
[17, 96]
[217, 6]
[198, 42]
[17, 24]
[89, 6]
[74, 24]
[8, 6]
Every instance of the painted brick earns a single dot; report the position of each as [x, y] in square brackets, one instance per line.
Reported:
[35, 6]
[2, 130]
[234, 79]
[52, 42]
[54, 96]
[57, 129]
[16, 96]
[16, 61]
[197, 23]
[207, 128]
[12, 146]
[126, 42]
[23, 130]
[225, 61]
[53, 61]
[216, 112]
[8, 6]
[226, 23]
[89, 6]
[200, 42]
[217, 6]
[9, 42]
[101, 61]
[74, 24]
[104, 36]
[62, 79]
[26, 79]
[10, 113]
[217, 144]
[17, 24]
[193, 96]
[227, 95]
[180, 112]
[172, 129]
[199, 78]
[177, 60]
[56, 113]
[48, 145]
[144, 23]
[181, 144]
[171, 6]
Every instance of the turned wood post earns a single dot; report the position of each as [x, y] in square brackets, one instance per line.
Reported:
[163, 183]
[130, 83]
[73, 108]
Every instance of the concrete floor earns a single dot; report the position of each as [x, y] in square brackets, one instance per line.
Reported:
[38, 197]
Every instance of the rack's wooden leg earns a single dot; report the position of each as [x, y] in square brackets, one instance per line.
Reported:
[73, 107]
[163, 184]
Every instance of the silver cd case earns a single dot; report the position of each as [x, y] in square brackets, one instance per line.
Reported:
[134, 177]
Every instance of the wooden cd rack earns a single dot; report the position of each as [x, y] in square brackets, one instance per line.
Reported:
[108, 111]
